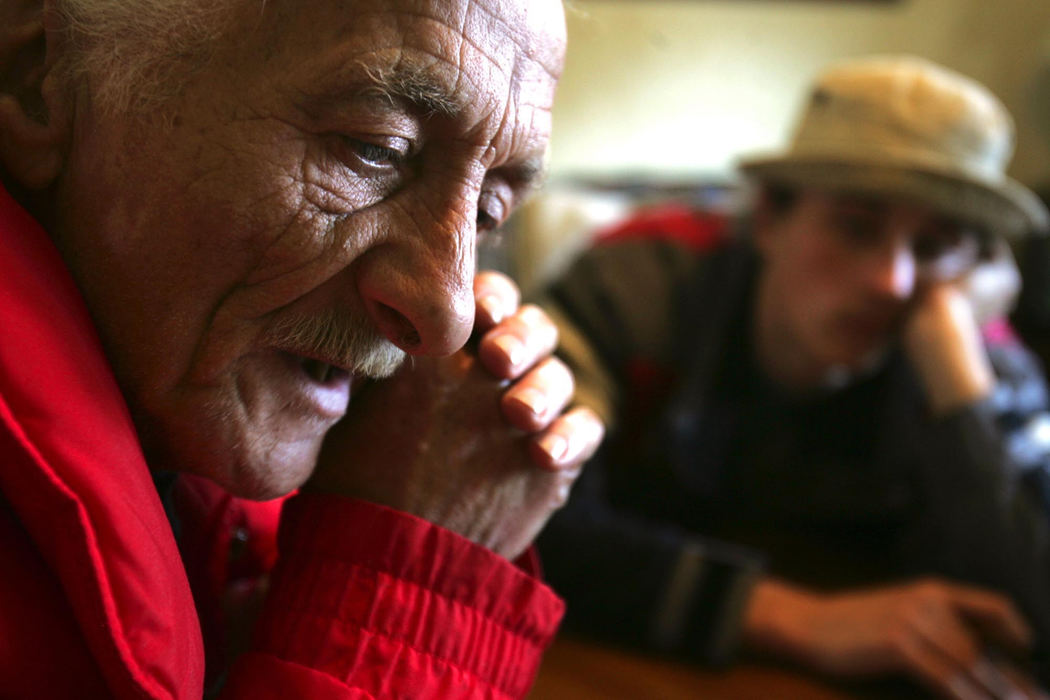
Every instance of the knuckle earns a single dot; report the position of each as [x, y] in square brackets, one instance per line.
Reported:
[931, 590]
[590, 416]
[589, 426]
[560, 496]
[539, 324]
[534, 316]
[494, 276]
[495, 282]
[555, 370]
[898, 641]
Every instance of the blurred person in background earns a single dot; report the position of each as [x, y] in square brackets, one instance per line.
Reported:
[814, 450]
[1031, 316]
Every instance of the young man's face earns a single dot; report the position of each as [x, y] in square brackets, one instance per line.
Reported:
[306, 211]
[841, 271]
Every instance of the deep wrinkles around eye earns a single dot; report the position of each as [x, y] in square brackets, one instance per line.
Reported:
[333, 189]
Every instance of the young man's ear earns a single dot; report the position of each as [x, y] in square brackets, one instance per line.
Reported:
[35, 107]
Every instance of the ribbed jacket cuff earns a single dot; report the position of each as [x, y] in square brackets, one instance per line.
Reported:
[381, 599]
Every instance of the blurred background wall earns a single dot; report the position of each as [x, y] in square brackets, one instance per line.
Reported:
[683, 87]
[674, 91]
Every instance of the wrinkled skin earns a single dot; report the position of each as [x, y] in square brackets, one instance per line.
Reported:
[432, 440]
[283, 184]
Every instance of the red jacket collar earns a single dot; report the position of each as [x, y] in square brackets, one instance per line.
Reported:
[87, 500]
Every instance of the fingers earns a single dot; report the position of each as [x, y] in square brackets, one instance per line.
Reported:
[569, 441]
[535, 404]
[946, 634]
[496, 297]
[1029, 687]
[945, 652]
[936, 672]
[536, 399]
[517, 342]
[983, 680]
[998, 679]
[994, 614]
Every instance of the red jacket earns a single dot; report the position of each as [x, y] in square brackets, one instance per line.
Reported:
[94, 598]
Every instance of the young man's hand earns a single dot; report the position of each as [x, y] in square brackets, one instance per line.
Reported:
[942, 334]
[943, 340]
[935, 631]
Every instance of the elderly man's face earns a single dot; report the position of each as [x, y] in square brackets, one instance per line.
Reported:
[306, 212]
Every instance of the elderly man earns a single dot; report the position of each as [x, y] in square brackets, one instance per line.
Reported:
[222, 223]
[816, 393]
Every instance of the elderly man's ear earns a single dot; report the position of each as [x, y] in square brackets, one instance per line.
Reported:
[35, 109]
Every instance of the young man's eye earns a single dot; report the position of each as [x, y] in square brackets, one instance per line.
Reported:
[858, 229]
[929, 248]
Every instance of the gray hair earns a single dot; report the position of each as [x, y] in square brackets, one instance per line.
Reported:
[344, 337]
[136, 54]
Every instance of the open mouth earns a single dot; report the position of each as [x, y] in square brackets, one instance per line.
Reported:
[322, 372]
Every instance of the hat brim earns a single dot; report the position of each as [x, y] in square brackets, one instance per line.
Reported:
[1004, 206]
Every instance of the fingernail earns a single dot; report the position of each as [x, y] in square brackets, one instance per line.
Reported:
[513, 348]
[533, 399]
[554, 445]
[995, 680]
[963, 689]
[492, 306]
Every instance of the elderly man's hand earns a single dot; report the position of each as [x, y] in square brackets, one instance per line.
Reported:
[477, 442]
[935, 631]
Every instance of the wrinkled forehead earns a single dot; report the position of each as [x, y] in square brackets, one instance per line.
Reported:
[480, 53]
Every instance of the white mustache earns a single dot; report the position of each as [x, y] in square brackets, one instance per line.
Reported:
[339, 338]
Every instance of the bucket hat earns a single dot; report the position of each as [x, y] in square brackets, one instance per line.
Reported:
[903, 126]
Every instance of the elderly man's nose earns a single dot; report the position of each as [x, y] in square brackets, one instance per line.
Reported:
[422, 300]
[418, 284]
[426, 322]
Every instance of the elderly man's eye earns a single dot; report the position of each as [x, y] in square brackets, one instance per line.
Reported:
[389, 155]
[486, 222]
[491, 212]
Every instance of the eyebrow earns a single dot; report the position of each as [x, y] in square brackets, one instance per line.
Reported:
[407, 85]
[413, 84]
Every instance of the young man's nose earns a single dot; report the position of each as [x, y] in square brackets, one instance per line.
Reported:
[893, 270]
